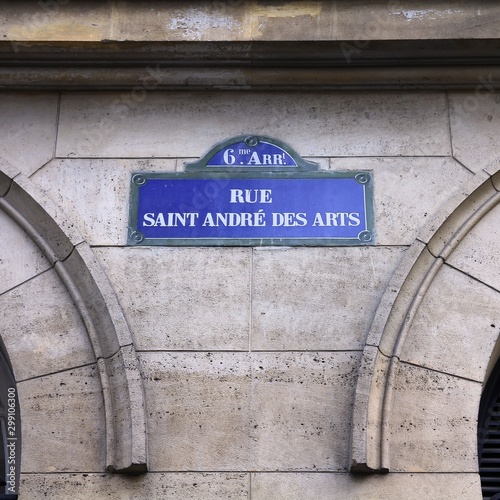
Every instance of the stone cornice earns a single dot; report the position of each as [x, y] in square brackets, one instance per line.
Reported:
[382, 64]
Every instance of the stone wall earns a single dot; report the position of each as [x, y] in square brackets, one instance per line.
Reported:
[249, 357]
[249, 372]
[236, 20]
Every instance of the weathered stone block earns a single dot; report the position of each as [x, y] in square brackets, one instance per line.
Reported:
[496, 177]
[81, 284]
[433, 422]
[308, 298]
[475, 125]
[177, 21]
[126, 417]
[367, 413]
[63, 422]
[443, 237]
[39, 321]
[328, 486]
[455, 327]
[95, 194]
[28, 129]
[478, 254]
[7, 173]
[43, 220]
[455, 214]
[183, 298]
[398, 296]
[258, 411]
[153, 486]
[418, 20]
[396, 123]
[20, 258]
[242, 21]
[198, 410]
[58, 21]
[300, 410]
[407, 192]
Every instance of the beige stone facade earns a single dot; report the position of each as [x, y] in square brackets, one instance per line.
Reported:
[264, 372]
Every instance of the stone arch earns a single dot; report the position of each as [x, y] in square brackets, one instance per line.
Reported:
[109, 335]
[402, 365]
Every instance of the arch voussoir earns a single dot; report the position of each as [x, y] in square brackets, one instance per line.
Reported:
[392, 324]
[93, 296]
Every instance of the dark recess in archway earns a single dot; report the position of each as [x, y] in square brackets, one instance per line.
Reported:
[10, 430]
[488, 436]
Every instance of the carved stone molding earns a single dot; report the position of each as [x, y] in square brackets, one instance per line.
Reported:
[93, 296]
[394, 317]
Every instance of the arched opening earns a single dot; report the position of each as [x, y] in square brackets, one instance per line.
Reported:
[10, 430]
[71, 263]
[488, 436]
[423, 345]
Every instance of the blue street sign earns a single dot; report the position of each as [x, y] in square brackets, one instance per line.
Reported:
[283, 203]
